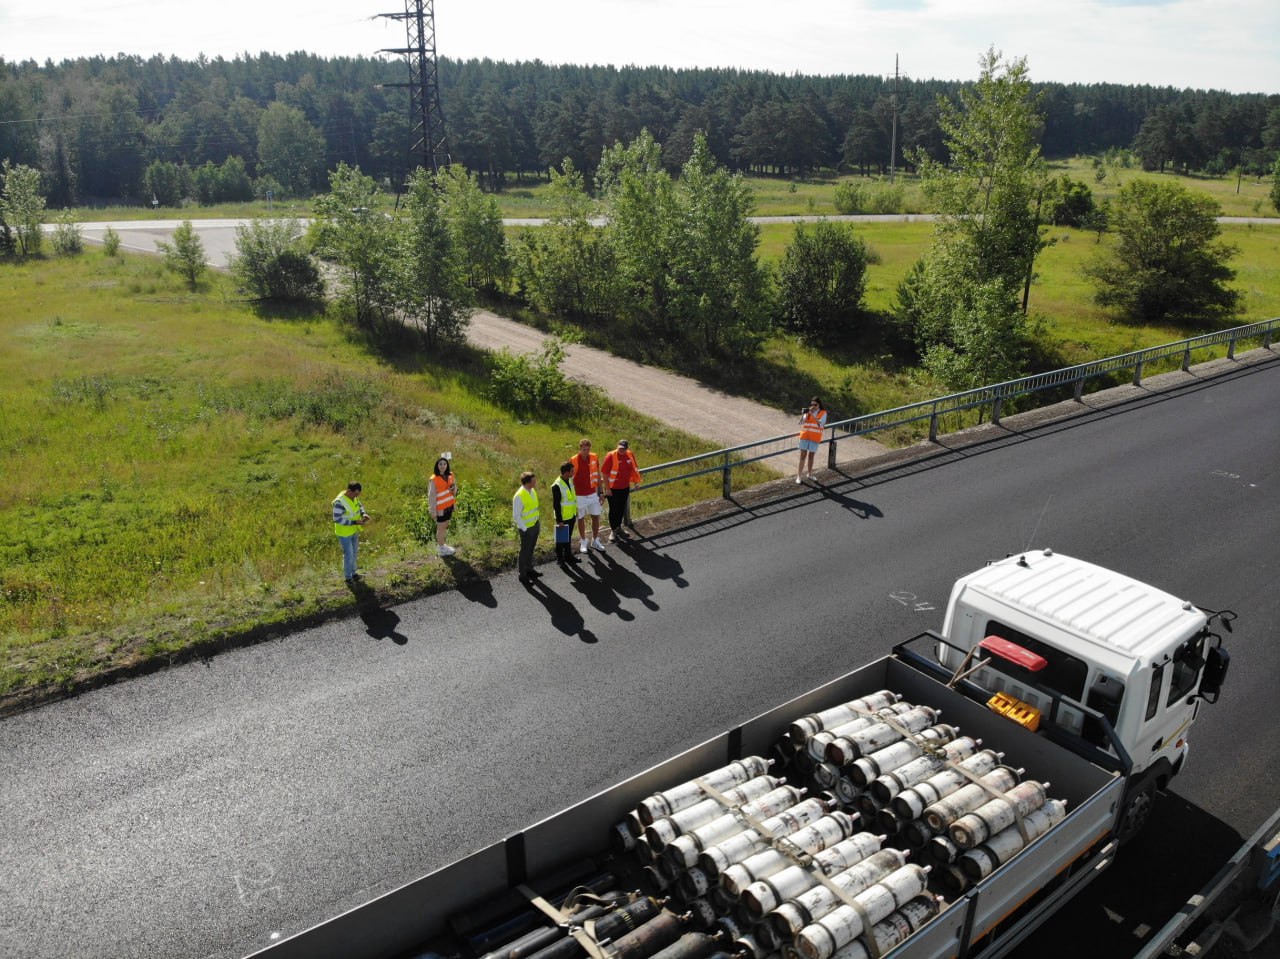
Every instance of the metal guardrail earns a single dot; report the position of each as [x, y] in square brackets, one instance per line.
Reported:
[724, 461]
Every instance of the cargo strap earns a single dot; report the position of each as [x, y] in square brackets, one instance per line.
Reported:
[788, 848]
[584, 934]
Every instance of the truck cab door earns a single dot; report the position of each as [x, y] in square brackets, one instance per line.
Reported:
[1170, 707]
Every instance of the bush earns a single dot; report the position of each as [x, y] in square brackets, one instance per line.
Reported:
[887, 199]
[68, 239]
[479, 510]
[271, 264]
[525, 383]
[850, 198]
[111, 242]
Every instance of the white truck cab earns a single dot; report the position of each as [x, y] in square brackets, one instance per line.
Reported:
[1075, 635]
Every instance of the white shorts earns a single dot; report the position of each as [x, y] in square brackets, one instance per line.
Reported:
[588, 504]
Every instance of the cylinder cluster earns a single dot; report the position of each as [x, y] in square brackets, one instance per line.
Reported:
[885, 812]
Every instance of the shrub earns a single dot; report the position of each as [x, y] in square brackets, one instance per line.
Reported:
[271, 264]
[68, 239]
[524, 383]
[479, 510]
[850, 198]
[111, 242]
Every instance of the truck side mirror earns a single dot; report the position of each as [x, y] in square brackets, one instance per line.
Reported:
[1215, 672]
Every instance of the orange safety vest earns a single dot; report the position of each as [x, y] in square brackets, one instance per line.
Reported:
[586, 482]
[625, 465]
[811, 426]
[444, 493]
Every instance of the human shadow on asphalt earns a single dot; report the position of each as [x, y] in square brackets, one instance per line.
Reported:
[622, 581]
[1152, 877]
[469, 583]
[381, 623]
[653, 564]
[597, 592]
[857, 507]
[564, 615]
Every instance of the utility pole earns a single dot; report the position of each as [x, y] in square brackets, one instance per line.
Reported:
[425, 114]
[893, 143]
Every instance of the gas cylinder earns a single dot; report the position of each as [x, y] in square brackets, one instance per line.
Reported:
[663, 830]
[825, 833]
[894, 929]
[888, 784]
[799, 907]
[682, 852]
[982, 861]
[991, 817]
[686, 794]
[806, 726]
[948, 809]
[911, 803]
[862, 771]
[845, 749]
[821, 939]
[736, 848]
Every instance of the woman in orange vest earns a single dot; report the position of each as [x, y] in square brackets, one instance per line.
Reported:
[621, 473]
[812, 422]
[442, 493]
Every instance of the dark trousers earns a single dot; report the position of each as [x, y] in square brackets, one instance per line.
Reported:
[528, 540]
[618, 506]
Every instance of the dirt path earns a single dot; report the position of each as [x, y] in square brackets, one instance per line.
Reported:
[722, 420]
[678, 401]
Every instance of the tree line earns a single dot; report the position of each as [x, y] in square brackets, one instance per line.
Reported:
[165, 129]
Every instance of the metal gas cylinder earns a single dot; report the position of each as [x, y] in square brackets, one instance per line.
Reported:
[911, 803]
[815, 747]
[948, 809]
[682, 852]
[845, 749]
[798, 909]
[662, 831]
[888, 784]
[991, 817]
[821, 939]
[862, 771]
[806, 726]
[824, 834]
[686, 794]
[715, 859]
[982, 861]
[894, 929]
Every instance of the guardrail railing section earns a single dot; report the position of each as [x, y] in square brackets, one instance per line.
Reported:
[990, 398]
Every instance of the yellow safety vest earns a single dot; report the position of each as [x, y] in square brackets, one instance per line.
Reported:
[528, 506]
[568, 499]
[351, 511]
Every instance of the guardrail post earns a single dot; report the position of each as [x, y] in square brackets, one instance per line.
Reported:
[831, 451]
[726, 478]
[995, 410]
[1266, 339]
[1137, 373]
[933, 428]
[1231, 349]
[1078, 392]
[1186, 360]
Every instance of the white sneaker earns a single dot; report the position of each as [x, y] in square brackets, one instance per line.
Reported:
[582, 546]
[446, 551]
[799, 480]
[598, 545]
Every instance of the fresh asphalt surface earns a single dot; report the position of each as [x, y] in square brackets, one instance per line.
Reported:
[200, 810]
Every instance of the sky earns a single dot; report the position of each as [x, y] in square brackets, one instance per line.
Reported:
[1208, 44]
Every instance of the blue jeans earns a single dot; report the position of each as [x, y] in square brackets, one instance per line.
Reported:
[350, 546]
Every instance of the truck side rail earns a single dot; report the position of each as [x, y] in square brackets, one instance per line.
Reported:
[1115, 760]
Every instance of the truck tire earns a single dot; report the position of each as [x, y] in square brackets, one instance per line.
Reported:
[1139, 800]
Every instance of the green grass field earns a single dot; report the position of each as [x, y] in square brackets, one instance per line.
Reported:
[171, 459]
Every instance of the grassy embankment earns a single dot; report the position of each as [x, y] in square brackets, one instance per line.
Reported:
[170, 460]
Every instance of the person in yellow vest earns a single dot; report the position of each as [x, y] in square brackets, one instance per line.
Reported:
[812, 422]
[564, 500]
[348, 516]
[524, 511]
[442, 493]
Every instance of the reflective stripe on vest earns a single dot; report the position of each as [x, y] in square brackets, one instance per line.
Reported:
[444, 493]
[568, 500]
[811, 428]
[528, 505]
[617, 460]
[350, 511]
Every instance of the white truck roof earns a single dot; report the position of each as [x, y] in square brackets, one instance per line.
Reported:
[1120, 616]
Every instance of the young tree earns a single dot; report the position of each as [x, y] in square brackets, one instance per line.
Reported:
[350, 231]
[1275, 184]
[430, 286]
[166, 183]
[22, 207]
[475, 226]
[821, 281]
[1167, 263]
[185, 255]
[988, 234]
[271, 262]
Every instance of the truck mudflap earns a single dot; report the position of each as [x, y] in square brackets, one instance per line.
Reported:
[977, 925]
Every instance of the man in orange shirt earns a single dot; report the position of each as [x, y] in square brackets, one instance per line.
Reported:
[621, 474]
[588, 481]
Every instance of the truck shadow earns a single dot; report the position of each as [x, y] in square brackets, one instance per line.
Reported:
[1176, 854]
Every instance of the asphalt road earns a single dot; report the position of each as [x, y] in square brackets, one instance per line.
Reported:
[203, 810]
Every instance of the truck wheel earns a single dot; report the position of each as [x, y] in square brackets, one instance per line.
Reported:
[1138, 804]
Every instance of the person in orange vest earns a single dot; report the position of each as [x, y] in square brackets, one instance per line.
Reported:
[588, 481]
[442, 493]
[621, 475]
[813, 421]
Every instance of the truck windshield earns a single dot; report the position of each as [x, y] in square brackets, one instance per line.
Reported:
[1064, 673]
